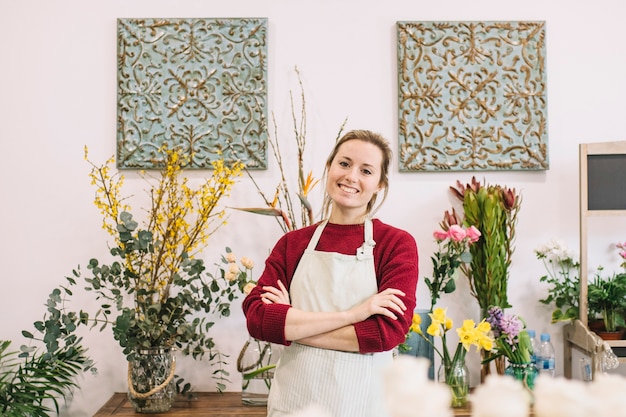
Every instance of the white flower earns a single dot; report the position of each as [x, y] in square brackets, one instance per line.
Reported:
[555, 251]
[231, 257]
[607, 390]
[248, 287]
[409, 393]
[500, 396]
[561, 397]
[247, 262]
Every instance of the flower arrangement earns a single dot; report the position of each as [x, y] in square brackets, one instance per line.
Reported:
[561, 274]
[453, 244]
[511, 339]
[156, 285]
[470, 334]
[241, 272]
[492, 209]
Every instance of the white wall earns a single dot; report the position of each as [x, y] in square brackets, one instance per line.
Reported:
[58, 93]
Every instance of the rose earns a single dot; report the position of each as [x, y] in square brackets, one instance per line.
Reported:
[453, 250]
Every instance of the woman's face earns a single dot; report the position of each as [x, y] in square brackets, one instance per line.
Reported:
[354, 176]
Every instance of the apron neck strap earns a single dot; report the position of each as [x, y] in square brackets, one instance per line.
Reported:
[368, 243]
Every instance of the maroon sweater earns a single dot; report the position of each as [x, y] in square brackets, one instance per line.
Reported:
[395, 262]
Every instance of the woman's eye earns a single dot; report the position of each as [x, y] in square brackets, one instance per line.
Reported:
[367, 172]
[343, 164]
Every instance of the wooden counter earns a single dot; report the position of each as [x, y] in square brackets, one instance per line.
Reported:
[227, 404]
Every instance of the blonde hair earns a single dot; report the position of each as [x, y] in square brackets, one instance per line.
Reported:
[381, 143]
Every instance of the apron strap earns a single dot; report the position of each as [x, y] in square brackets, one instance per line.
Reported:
[316, 235]
[367, 248]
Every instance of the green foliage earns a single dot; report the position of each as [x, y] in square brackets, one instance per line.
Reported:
[608, 296]
[492, 209]
[140, 317]
[34, 379]
[564, 290]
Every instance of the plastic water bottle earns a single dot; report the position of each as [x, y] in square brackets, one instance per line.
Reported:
[546, 356]
[535, 346]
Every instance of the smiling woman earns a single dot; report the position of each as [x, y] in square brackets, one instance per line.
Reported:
[331, 293]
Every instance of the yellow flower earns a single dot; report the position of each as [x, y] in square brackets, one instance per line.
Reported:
[230, 257]
[438, 315]
[416, 323]
[434, 329]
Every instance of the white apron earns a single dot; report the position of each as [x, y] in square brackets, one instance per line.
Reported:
[345, 384]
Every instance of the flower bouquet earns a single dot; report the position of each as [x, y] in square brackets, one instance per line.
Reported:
[513, 342]
[151, 292]
[453, 370]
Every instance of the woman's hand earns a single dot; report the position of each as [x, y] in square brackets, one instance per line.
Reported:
[273, 295]
[386, 303]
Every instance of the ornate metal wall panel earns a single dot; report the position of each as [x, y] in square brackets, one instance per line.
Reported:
[199, 84]
[472, 96]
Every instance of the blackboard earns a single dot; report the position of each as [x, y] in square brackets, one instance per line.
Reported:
[606, 182]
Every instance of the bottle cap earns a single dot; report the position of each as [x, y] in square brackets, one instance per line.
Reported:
[531, 333]
[545, 337]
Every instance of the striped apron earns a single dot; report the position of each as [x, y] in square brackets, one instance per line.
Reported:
[345, 384]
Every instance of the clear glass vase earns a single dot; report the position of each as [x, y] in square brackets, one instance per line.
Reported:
[151, 385]
[456, 376]
[525, 372]
[256, 362]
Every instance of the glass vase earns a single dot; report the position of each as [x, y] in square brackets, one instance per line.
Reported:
[151, 385]
[256, 362]
[525, 372]
[456, 376]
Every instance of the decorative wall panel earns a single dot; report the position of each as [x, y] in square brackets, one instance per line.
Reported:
[472, 96]
[197, 84]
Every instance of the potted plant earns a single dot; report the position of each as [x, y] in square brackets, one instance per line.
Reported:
[154, 288]
[36, 377]
[562, 278]
[608, 296]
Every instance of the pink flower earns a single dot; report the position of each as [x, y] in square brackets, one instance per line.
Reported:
[473, 234]
[621, 245]
[440, 235]
[457, 233]
[623, 254]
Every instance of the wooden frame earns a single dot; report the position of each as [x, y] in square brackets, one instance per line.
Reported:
[577, 335]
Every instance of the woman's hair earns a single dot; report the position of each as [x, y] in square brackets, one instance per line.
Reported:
[382, 144]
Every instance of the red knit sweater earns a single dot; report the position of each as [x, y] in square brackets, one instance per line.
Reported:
[395, 262]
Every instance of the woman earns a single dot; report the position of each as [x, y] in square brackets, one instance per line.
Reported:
[340, 294]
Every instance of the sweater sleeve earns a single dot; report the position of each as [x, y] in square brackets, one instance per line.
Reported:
[396, 257]
[267, 321]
